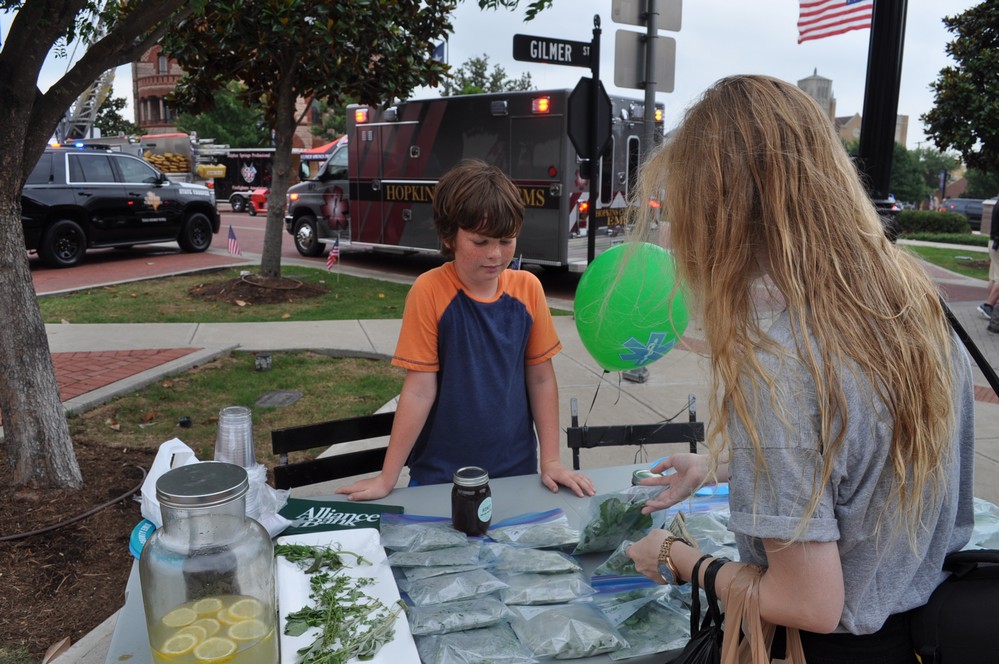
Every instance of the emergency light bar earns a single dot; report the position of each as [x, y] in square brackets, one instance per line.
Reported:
[360, 115]
[541, 105]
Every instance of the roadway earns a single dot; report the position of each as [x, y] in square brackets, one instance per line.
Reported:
[106, 266]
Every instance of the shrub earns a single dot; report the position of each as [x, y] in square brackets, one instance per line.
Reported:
[928, 221]
[969, 239]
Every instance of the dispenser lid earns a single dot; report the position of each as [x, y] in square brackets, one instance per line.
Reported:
[204, 484]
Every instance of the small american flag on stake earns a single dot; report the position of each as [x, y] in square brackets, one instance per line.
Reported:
[825, 18]
[334, 256]
[234, 243]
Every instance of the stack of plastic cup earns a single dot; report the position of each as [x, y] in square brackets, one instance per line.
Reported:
[234, 444]
[234, 440]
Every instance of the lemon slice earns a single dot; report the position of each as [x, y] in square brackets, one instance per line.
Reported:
[180, 617]
[199, 632]
[208, 606]
[246, 608]
[215, 650]
[210, 625]
[179, 644]
[248, 630]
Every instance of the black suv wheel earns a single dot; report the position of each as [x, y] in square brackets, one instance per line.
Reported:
[196, 235]
[63, 245]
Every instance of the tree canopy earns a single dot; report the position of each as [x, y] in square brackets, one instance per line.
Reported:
[290, 50]
[474, 76]
[230, 122]
[110, 120]
[965, 115]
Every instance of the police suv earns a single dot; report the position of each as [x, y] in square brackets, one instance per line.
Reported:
[85, 197]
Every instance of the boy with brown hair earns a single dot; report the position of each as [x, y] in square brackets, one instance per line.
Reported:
[477, 342]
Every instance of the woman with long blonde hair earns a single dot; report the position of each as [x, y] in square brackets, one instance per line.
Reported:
[844, 423]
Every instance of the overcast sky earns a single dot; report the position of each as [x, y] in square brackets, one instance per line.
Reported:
[717, 38]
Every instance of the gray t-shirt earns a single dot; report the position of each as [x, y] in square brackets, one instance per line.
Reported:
[882, 574]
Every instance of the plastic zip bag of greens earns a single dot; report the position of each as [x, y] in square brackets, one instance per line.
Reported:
[618, 563]
[566, 631]
[710, 530]
[543, 588]
[417, 573]
[456, 555]
[490, 645]
[540, 530]
[410, 532]
[457, 616]
[508, 559]
[451, 587]
[651, 620]
[616, 517]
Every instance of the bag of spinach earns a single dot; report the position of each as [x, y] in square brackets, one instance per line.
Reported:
[616, 517]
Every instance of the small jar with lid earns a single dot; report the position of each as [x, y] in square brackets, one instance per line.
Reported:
[207, 574]
[471, 501]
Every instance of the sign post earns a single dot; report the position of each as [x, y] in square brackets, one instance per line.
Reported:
[597, 149]
[589, 108]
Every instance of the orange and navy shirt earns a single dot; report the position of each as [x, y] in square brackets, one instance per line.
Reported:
[479, 349]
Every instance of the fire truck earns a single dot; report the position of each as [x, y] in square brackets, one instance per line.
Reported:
[375, 190]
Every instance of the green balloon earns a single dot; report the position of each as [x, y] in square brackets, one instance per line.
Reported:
[627, 313]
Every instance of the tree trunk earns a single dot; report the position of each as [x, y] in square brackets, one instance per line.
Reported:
[36, 434]
[284, 131]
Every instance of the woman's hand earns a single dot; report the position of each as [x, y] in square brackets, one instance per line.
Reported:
[691, 471]
[645, 553]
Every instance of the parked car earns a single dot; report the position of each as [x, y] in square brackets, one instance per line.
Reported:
[969, 207]
[78, 198]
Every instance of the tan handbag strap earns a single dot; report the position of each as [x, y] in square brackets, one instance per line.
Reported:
[741, 602]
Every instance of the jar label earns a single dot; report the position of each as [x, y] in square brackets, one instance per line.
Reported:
[486, 509]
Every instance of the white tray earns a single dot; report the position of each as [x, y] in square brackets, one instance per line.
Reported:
[293, 591]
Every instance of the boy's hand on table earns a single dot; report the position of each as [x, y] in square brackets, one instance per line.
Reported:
[369, 489]
[554, 473]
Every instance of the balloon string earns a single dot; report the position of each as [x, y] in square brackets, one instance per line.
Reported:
[593, 403]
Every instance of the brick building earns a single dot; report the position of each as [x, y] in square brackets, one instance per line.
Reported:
[154, 78]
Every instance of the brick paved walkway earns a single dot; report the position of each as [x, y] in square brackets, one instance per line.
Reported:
[79, 373]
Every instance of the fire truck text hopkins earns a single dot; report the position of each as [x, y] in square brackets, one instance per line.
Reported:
[424, 193]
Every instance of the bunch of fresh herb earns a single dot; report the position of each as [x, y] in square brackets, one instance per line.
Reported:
[616, 519]
[320, 556]
[350, 622]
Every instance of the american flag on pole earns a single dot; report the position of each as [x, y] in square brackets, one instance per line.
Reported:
[234, 243]
[825, 18]
[334, 256]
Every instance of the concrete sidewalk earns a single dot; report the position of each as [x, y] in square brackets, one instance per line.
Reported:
[160, 350]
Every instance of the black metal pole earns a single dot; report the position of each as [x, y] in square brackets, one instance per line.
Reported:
[884, 76]
[591, 223]
[651, 34]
